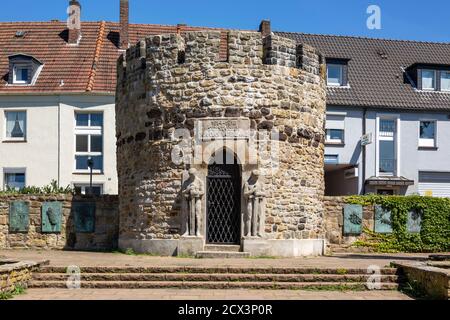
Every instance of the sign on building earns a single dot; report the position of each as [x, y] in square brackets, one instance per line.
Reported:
[366, 139]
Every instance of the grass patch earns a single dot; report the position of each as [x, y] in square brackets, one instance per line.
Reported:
[262, 257]
[341, 271]
[413, 289]
[18, 290]
[131, 252]
[185, 256]
[335, 287]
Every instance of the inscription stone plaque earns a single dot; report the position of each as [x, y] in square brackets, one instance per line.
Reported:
[84, 214]
[382, 220]
[222, 128]
[353, 219]
[51, 217]
[18, 216]
[414, 222]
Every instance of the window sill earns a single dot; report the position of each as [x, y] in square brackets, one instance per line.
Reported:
[427, 148]
[84, 173]
[14, 141]
[335, 144]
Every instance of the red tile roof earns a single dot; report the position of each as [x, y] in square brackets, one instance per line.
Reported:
[87, 67]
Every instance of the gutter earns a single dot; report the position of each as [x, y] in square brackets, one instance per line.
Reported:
[363, 151]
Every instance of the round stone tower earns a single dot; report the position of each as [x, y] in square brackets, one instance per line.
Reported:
[246, 112]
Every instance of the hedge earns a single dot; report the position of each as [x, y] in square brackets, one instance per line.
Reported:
[434, 235]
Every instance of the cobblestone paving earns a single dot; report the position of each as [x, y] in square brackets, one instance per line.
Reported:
[201, 294]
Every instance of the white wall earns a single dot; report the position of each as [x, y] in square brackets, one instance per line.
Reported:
[47, 155]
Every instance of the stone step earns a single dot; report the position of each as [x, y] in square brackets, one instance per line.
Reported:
[222, 247]
[210, 270]
[221, 254]
[215, 277]
[212, 285]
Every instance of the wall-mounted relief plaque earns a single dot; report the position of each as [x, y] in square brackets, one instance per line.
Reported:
[18, 216]
[414, 222]
[222, 128]
[353, 214]
[51, 217]
[382, 220]
[84, 217]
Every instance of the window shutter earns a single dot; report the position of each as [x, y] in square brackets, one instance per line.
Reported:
[419, 79]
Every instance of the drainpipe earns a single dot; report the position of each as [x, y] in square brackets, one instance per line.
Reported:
[363, 150]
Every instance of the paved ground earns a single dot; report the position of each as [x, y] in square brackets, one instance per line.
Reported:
[201, 294]
[67, 258]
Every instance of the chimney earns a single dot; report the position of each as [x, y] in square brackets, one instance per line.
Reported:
[124, 24]
[264, 28]
[74, 22]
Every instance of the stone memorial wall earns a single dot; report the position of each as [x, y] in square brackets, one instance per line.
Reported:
[59, 222]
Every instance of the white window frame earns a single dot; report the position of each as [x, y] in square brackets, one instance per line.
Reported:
[426, 143]
[88, 131]
[19, 65]
[25, 124]
[396, 118]
[442, 72]
[14, 171]
[328, 139]
[84, 185]
[341, 78]
[434, 80]
[334, 121]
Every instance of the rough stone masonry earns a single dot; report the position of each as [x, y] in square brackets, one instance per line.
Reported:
[176, 81]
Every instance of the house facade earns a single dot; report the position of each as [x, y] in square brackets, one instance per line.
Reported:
[388, 107]
[388, 115]
[57, 100]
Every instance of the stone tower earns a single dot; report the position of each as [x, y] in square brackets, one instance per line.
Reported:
[190, 100]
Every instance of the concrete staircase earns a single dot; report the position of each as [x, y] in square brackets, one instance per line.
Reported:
[221, 252]
[215, 278]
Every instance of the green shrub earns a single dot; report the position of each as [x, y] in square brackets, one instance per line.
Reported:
[50, 189]
[435, 231]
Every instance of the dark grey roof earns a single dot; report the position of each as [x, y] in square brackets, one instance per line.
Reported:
[378, 82]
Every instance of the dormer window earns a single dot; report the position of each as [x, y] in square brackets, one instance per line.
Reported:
[428, 79]
[336, 72]
[431, 77]
[445, 80]
[21, 73]
[23, 69]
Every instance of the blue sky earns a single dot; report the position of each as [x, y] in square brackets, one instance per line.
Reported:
[401, 19]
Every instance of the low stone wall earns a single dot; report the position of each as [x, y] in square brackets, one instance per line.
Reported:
[103, 236]
[434, 282]
[14, 274]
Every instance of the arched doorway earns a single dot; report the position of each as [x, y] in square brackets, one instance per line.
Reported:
[223, 202]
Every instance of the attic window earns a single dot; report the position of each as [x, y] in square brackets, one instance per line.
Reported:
[20, 34]
[337, 72]
[23, 69]
[21, 74]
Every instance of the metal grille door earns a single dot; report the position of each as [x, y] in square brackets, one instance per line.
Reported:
[223, 204]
